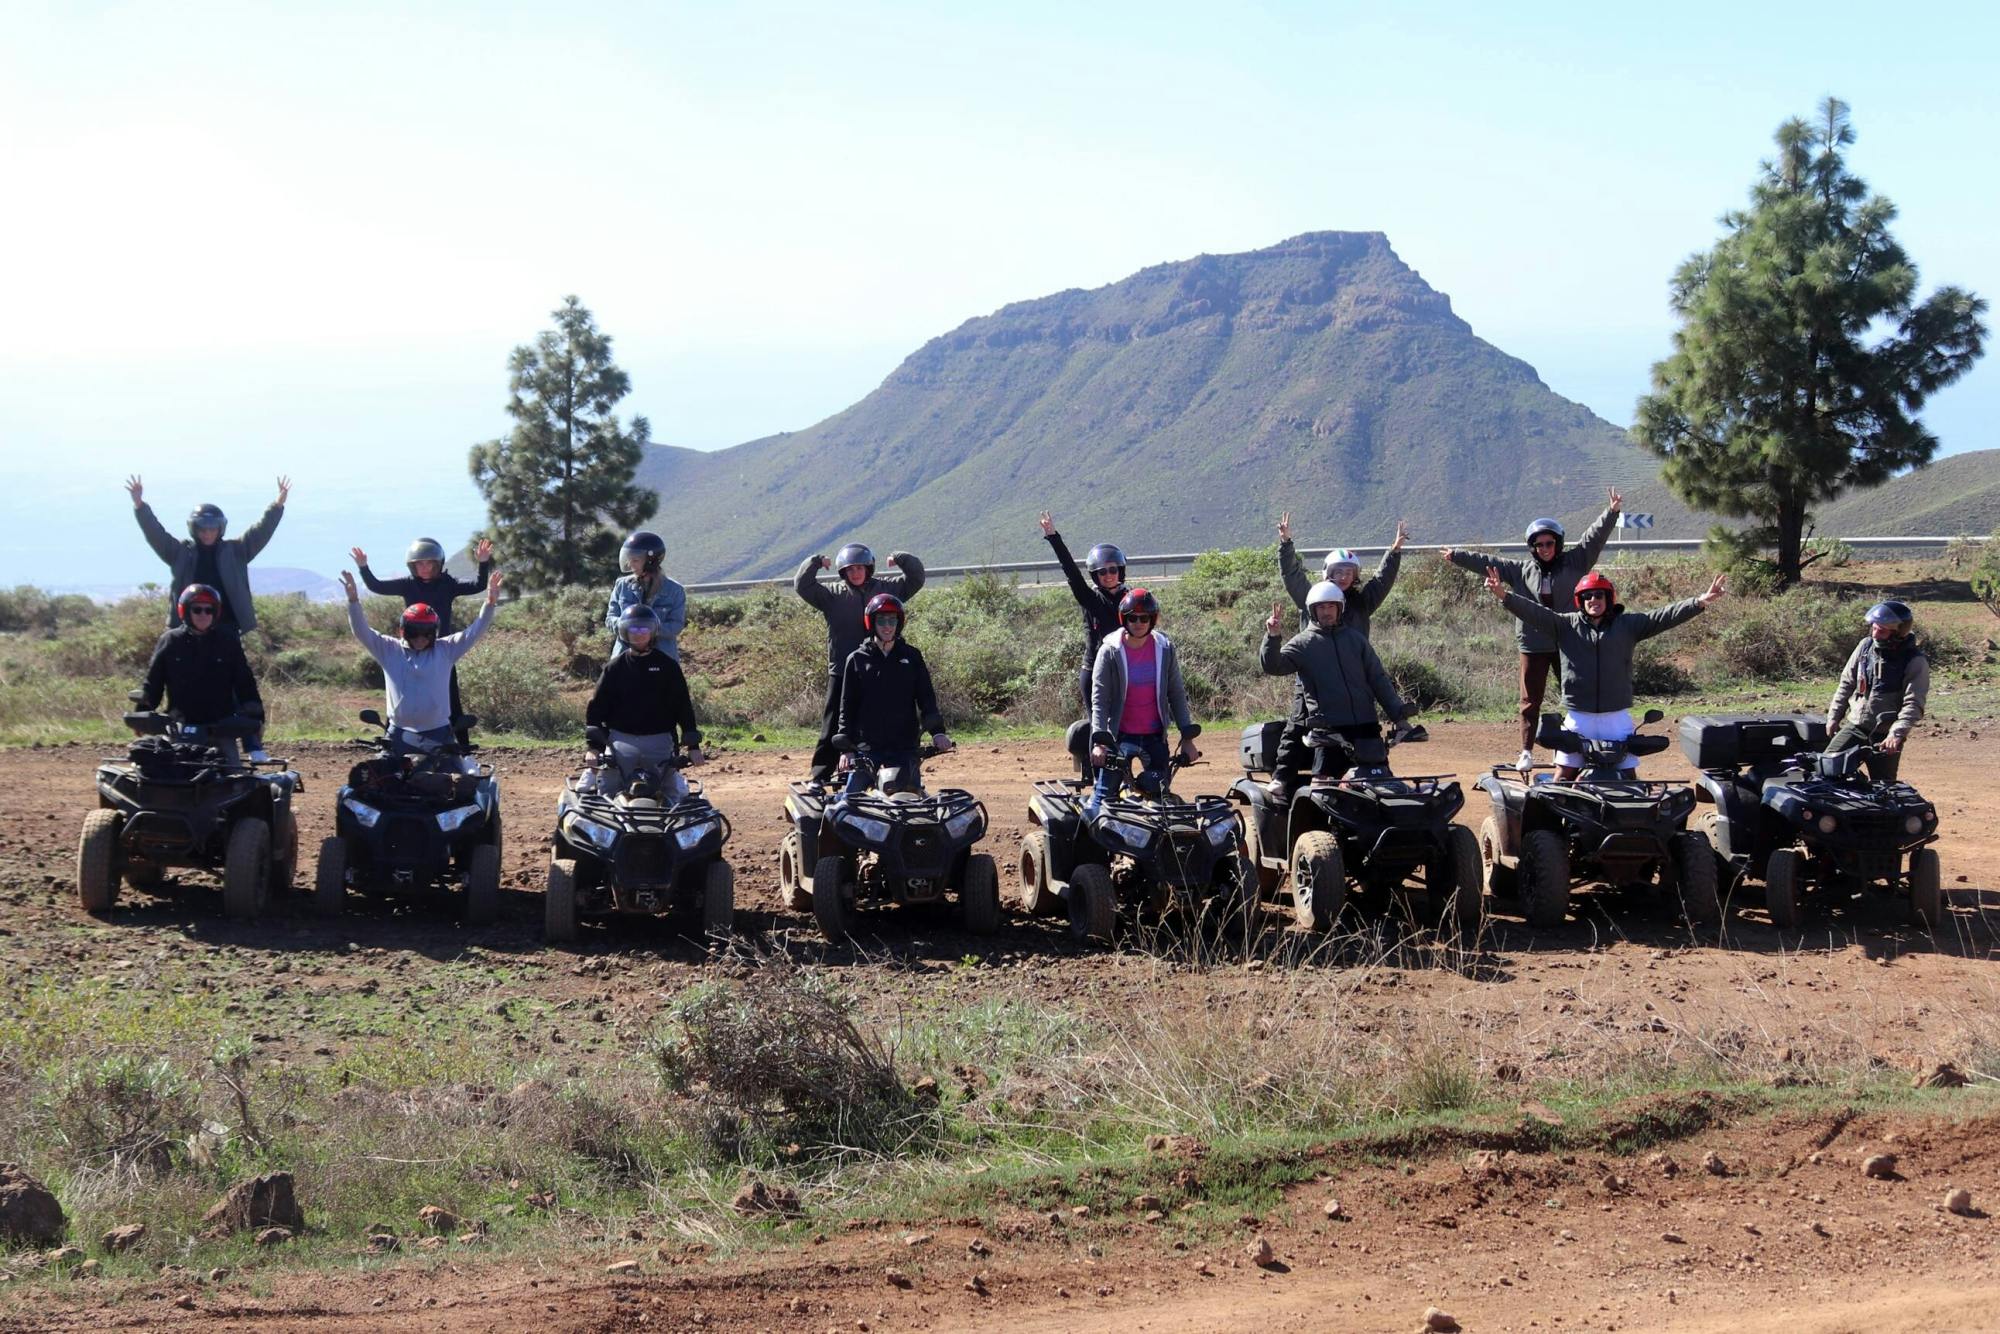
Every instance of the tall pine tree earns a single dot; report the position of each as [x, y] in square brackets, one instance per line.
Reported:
[1803, 355]
[558, 489]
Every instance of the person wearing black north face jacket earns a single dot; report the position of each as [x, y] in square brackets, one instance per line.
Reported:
[643, 706]
[885, 694]
[198, 669]
[1098, 595]
[844, 606]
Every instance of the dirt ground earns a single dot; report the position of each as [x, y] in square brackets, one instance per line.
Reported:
[1783, 1240]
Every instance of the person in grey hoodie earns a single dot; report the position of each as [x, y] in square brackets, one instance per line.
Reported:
[1549, 578]
[205, 556]
[1340, 677]
[1883, 690]
[417, 668]
[1596, 642]
[1136, 693]
[844, 606]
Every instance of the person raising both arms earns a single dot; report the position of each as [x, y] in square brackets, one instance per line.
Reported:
[1098, 595]
[416, 669]
[643, 584]
[845, 606]
[1595, 643]
[207, 556]
[1548, 577]
[432, 584]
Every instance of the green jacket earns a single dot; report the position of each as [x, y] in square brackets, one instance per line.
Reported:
[1597, 659]
[232, 561]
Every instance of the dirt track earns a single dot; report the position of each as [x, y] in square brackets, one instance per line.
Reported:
[1860, 980]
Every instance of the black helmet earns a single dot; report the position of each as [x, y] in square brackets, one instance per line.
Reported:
[642, 553]
[1892, 613]
[424, 548]
[1139, 602]
[638, 616]
[879, 604]
[854, 554]
[1104, 556]
[207, 516]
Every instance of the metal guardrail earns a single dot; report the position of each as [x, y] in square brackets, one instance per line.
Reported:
[1172, 564]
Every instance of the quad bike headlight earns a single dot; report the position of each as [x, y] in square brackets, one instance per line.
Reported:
[1131, 835]
[362, 811]
[456, 817]
[1221, 832]
[1827, 824]
[1914, 824]
[875, 831]
[598, 836]
[689, 836]
[963, 824]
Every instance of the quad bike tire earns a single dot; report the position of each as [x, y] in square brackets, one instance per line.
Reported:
[792, 890]
[1093, 904]
[829, 908]
[330, 878]
[284, 851]
[1319, 881]
[979, 895]
[1268, 880]
[1242, 896]
[246, 869]
[496, 836]
[1927, 905]
[1502, 880]
[559, 902]
[1784, 888]
[1544, 878]
[97, 868]
[1038, 897]
[1457, 884]
[482, 885]
[718, 900]
[1697, 877]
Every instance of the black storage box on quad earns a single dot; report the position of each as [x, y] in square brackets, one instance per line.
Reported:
[1260, 747]
[1728, 740]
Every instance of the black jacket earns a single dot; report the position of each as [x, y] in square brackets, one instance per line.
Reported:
[1342, 677]
[842, 604]
[205, 678]
[436, 593]
[1100, 606]
[883, 696]
[645, 694]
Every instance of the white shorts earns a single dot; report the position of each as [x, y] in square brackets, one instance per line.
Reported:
[1614, 726]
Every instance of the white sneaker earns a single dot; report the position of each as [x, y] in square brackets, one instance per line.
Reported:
[259, 756]
[1526, 762]
[1278, 790]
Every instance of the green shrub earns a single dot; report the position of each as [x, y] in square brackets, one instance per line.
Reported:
[1220, 579]
[508, 682]
[125, 1110]
[1800, 632]
[26, 609]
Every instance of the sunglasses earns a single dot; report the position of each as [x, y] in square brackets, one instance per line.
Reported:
[1597, 594]
[1140, 618]
[201, 611]
[1544, 542]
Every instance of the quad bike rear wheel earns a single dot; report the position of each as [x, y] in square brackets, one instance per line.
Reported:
[1242, 896]
[1695, 875]
[1038, 897]
[1456, 882]
[559, 902]
[979, 895]
[246, 868]
[1784, 890]
[1544, 878]
[792, 889]
[718, 900]
[330, 878]
[97, 859]
[482, 885]
[1093, 904]
[1927, 905]
[1319, 880]
[1501, 879]
[829, 908]
[284, 851]
[1268, 880]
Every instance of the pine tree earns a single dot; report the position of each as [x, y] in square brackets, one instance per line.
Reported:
[1803, 355]
[558, 488]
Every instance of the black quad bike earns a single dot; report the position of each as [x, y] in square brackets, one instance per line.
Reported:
[413, 819]
[1801, 820]
[893, 843]
[639, 850]
[1148, 852]
[184, 796]
[1603, 825]
[1356, 820]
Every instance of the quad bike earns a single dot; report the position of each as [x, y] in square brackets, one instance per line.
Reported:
[1355, 820]
[412, 818]
[184, 796]
[893, 843]
[647, 848]
[1147, 853]
[1801, 820]
[1604, 825]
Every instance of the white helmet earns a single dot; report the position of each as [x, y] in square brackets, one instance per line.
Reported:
[1340, 556]
[1325, 591]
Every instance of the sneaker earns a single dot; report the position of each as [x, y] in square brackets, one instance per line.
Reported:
[259, 756]
[1526, 762]
[1278, 789]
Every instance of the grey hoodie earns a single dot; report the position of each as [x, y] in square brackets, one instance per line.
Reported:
[1108, 680]
[1342, 677]
[1597, 659]
[418, 683]
[232, 560]
[1553, 588]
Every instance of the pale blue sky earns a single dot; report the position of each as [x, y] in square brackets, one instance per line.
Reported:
[302, 237]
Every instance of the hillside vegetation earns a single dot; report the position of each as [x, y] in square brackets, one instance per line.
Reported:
[1953, 497]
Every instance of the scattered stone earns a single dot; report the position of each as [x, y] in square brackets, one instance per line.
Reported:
[976, 1285]
[381, 1243]
[622, 1267]
[978, 1248]
[1673, 1239]
[1332, 1209]
[64, 1255]
[1483, 1165]
[917, 1238]
[274, 1236]
[430, 1243]
[925, 1090]
[469, 1238]
[437, 1219]
[1958, 1201]
[124, 1238]
[1665, 1163]
[1943, 1075]
[758, 1198]
[1439, 1322]
[88, 1268]
[1881, 1166]
[1711, 1163]
[896, 1278]
[257, 1202]
[1147, 1203]
[29, 1211]
[184, 1302]
[1179, 1146]
[1154, 1216]
[1260, 1253]
[217, 1275]
[1080, 1211]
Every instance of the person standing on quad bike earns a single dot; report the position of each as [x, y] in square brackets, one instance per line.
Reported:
[431, 584]
[1098, 595]
[1341, 679]
[641, 712]
[207, 557]
[1548, 578]
[416, 669]
[201, 669]
[1342, 569]
[642, 584]
[1135, 693]
[885, 694]
[1882, 692]
[1596, 643]
[845, 606]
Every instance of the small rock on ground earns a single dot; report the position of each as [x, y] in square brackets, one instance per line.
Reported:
[123, 1238]
[1881, 1166]
[1439, 1322]
[1958, 1201]
[1260, 1252]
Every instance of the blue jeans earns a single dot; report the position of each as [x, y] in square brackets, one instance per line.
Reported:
[1153, 760]
[896, 767]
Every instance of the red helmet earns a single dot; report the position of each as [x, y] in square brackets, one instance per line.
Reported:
[420, 617]
[198, 595]
[1595, 583]
[888, 602]
[1138, 602]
